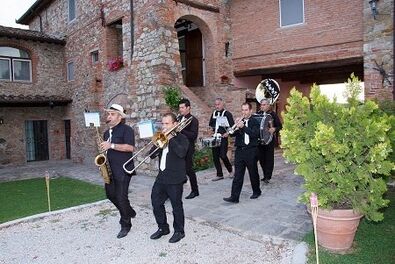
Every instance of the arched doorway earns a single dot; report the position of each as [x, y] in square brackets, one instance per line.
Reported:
[191, 52]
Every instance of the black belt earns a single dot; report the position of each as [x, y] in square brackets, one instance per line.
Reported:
[246, 147]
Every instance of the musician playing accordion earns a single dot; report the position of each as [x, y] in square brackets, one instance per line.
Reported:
[266, 147]
[220, 120]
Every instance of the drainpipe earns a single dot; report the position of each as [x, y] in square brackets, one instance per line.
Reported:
[131, 31]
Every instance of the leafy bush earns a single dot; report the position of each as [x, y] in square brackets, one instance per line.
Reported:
[202, 159]
[340, 150]
[172, 96]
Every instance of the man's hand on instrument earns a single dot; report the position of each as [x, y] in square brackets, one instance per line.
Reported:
[225, 135]
[105, 145]
[272, 130]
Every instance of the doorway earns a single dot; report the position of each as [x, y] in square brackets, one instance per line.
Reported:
[67, 134]
[191, 52]
[36, 132]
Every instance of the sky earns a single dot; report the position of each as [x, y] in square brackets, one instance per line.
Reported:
[13, 9]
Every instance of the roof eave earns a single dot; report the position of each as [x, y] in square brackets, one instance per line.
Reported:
[36, 8]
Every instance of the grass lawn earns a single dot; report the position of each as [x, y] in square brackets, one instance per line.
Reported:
[29, 197]
[374, 242]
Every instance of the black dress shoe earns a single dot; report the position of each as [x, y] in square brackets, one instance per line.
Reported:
[124, 231]
[159, 233]
[133, 214]
[255, 195]
[192, 195]
[177, 236]
[266, 181]
[231, 200]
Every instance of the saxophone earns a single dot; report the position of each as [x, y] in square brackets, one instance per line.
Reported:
[101, 160]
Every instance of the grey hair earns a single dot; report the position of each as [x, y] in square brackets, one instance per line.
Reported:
[265, 100]
[219, 99]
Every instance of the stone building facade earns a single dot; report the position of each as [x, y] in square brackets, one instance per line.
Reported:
[209, 48]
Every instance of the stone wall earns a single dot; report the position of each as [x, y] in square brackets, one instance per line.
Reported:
[378, 50]
[48, 72]
[13, 137]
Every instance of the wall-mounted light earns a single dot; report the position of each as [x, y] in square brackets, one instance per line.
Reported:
[1, 121]
[373, 7]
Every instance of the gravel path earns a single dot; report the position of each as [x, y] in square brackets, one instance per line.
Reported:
[87, 234]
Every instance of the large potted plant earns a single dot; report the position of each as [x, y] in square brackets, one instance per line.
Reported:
[341, 151]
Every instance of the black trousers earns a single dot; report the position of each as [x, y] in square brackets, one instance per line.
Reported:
[117, 193]
[160, 193]
[245, 158]
[189, 167]
[266, 159]
[220, 153]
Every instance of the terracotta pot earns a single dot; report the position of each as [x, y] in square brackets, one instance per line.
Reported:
[336, 228]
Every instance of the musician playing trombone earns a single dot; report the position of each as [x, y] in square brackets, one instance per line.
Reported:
[220, 152]
[170, 180]
[246, 131]
[119, 145]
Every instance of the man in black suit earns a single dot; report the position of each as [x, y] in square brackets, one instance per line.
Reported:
[266, 152]
[220, 152]
[246, 143]
[119, 144]
[191, 132]
[169, 182]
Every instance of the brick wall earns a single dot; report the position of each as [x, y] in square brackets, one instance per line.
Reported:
[332, 30]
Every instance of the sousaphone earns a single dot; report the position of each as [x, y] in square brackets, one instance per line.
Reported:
[270, 90]
[267, 89]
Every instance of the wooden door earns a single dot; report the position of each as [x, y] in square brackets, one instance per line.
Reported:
[194, 58]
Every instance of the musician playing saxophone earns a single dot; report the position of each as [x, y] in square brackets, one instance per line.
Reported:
[266, 152]
[246, 142]
[119, 144]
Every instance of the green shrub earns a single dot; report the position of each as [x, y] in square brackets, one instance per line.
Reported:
[172, 96]
[340, 150]
[202, 159]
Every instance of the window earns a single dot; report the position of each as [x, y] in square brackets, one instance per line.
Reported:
[15, 65]
[291, 12]
[95, 56]
[114, 36]
[70, 71]
[71, 7]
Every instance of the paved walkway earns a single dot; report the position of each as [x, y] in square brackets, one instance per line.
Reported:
[275, 213]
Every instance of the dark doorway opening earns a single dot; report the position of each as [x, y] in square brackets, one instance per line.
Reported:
[36, 132]
[191, 52]
[67, 134]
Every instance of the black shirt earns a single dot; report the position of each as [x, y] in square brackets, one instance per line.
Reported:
[192, 130]
[121, 134]
[213, 118]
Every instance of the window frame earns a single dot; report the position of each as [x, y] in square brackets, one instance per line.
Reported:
[9, 68]
[92, 53]
[30, 70]
[68, 71]
[292, 25]
[68, 11]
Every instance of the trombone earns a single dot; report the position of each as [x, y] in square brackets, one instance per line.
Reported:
[160, 140]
